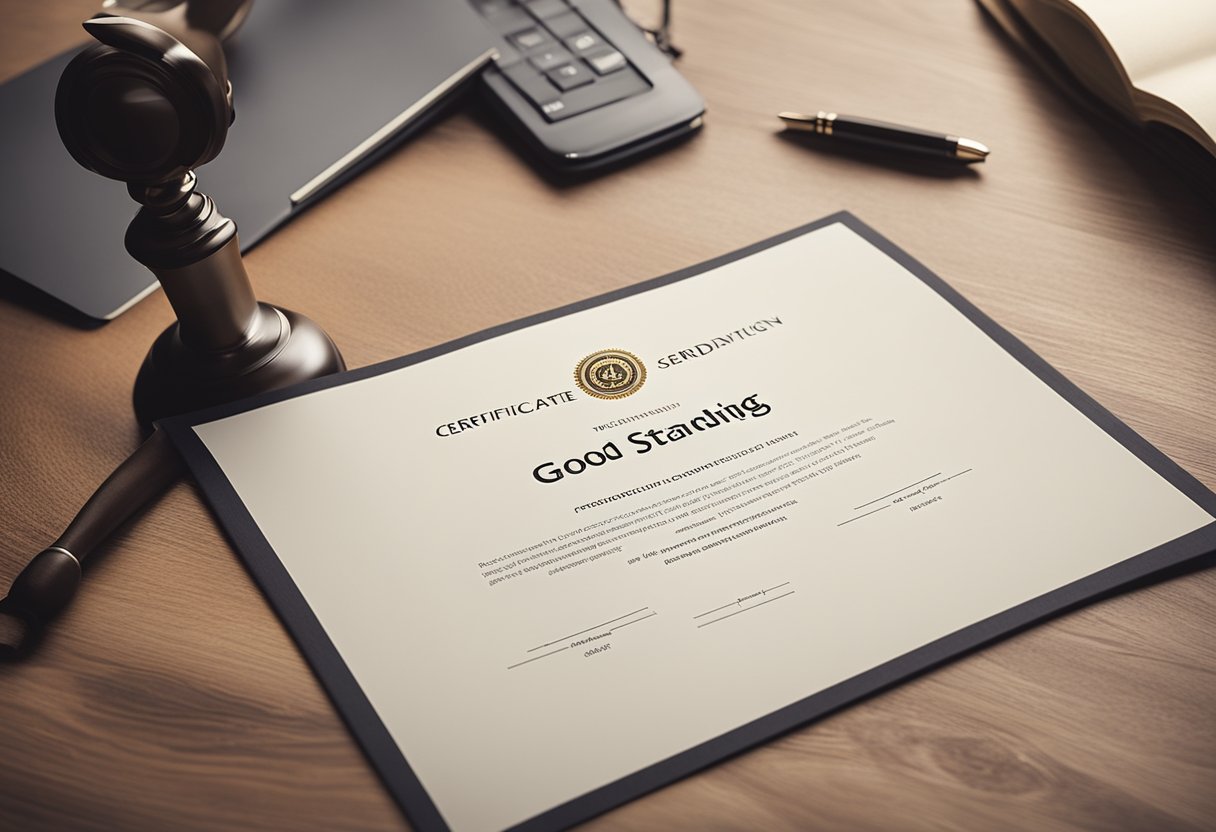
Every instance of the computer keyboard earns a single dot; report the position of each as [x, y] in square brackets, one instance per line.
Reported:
[561, 63]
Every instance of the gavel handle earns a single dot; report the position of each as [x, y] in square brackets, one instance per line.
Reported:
[49, 581]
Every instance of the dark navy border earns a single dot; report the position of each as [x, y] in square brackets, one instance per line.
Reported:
[388, 759]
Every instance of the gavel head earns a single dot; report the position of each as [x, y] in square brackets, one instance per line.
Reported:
[142, 105]
[146, 104]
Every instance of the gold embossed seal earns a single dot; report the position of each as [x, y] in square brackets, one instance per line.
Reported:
[610, 374]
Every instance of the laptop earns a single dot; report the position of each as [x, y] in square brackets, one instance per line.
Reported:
[321, 90]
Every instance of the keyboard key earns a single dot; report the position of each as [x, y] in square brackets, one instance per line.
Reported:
[549, 58]
[584, 42]
[570, 76]
[546, 8]
[607, 62]
[565, 25]
[615, 87]
[506, 19]
[532, 84]
[529, 38]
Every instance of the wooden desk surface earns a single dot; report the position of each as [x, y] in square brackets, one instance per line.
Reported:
[170, 697]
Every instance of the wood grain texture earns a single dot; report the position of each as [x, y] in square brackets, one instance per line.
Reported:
[170, 697]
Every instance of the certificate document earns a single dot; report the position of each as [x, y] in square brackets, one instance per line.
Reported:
[552, 566]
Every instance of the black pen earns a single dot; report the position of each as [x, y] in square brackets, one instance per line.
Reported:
[892, 136]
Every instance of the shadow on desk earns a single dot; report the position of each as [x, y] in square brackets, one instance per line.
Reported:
[907, 163]
[19, 293]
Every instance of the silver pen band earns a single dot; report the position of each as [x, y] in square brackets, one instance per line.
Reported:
[65, 551]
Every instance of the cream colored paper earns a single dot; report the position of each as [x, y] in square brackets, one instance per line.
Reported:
[933, 481]
[1167, 49]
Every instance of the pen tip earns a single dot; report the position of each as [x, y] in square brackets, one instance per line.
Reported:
[969, 150]
[798, 121]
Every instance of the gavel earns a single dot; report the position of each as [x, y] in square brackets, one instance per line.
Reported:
[146, 104]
